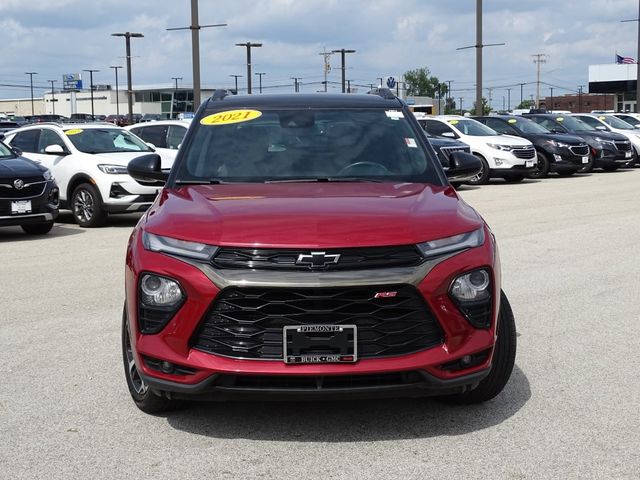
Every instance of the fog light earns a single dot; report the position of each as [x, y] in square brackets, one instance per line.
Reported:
[557, 157]
[497, 160]
[156, 291]
[466, 360]
[166, 367]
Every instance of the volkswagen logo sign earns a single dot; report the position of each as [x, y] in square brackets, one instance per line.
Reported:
[18, 184]
[391, 82]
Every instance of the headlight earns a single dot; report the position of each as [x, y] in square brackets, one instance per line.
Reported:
[113, 169]
[182, 248]
[456, 243]
[158, 291]
[471, 292]
[506, 148]
[557, 144]
[604, 140]
[47, 175]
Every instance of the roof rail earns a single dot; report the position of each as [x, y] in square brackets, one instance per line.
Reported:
[220, 93]
[385, 93]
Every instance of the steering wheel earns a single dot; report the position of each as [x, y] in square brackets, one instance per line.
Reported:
[358, 165]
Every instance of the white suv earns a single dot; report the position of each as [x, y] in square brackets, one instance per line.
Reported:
[502, 156]
[165, 135]
[611, 123]
[89, 162]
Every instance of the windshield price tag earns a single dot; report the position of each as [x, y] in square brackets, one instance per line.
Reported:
[73, 131]
[411, 142]
[394, 114]
[230, 116]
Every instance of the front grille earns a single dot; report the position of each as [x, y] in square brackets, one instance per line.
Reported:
[7, 190]
[449, 150]
[580, 150]
[623, 146]
[286, 259]
[248, 322]
[524, 152]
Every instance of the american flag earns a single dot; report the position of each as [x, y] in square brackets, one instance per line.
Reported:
[627, 60]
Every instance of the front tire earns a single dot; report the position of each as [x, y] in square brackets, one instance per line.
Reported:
[482, 178]
[145, 399]
[37, 228]
[542, 167]
[86, 205]
[504, 357]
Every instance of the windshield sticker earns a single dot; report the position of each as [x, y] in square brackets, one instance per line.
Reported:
[411, 142]
[230, 116]
[394, 114]
[512, 120]
[602, 118]
[453, 122]
[73, 131]
[559, 119]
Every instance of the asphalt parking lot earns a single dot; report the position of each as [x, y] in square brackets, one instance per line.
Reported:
[569, 249]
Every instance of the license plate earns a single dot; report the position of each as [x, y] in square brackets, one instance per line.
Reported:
[585, 159]
[320, 344]
[627, 154]
[21, 207]
[529, 163]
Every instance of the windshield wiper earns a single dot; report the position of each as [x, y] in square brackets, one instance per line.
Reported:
[203, 181]
[322, 180]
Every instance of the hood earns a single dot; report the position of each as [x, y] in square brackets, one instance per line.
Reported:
[558, 137]
[117, 158]
[445, 142]
[19, 167]
[310, 215]
[598, 133]
[501, 140]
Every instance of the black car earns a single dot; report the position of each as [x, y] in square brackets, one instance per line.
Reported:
[608, 150]
[444, 147]
[561, 153]
[29, 195]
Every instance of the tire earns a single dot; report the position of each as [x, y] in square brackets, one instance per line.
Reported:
[504, 357]
[86, 206]
[588, 167]
[37, 228]
[485, 173]
[145, 399]
[514, 178]
[542, 166]
[566, 173]
[456, 185]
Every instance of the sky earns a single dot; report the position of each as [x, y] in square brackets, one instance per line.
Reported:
[390, 37]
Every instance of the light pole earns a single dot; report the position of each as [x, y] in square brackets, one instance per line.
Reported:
[91, 87]
[551, 109]
[53, 96]
[31, 74]
[508, 99]
[260, 74]
[127, 37]
[115, 68]
[248, 46]
[195, 49]
[342, 53]
[175, 93]
[296, 87]
[580, 87]
[381, 79]
[637, 60]
[236, 78]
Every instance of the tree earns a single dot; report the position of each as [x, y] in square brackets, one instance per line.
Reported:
[486, 109]
[526, 104]
[450, 107]
[420, 82]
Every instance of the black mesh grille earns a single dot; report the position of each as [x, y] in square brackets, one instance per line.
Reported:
[449, 150]
[579, 150]
[623, 146]
[525, 152]
[247, 322]
[349, 258]
[9, 191]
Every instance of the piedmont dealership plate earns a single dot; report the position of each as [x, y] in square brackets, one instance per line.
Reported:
[320, 344]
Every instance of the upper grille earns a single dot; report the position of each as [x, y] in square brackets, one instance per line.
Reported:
[524, 152]
[285, 259]
[449, 150]
[7, 190]
[579, 149]
[248, 322]
[623, 146]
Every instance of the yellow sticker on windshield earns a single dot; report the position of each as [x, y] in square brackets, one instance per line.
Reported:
[602, 118]
[512, 120]
[73, 131]
[453, 122]
[230, 116]
[559, 119]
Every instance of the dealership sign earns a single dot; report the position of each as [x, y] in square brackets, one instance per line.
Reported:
[71, 81]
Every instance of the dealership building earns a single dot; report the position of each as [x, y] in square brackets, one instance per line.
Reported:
[616, 79]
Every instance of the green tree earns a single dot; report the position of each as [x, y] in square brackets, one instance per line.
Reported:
[420, 82]
[486, 109]
[450, 107]
[526, 104]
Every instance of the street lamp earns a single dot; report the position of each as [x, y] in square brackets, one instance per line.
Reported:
[115, 68]
[53, 96]
[260, 74]
[296, 84]
[342, 53]
[31, 74]
[248, 45]
[175, 93]
[127, 37]
[236, 77]
[91, 86]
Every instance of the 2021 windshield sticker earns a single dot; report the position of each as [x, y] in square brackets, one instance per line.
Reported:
[73, 131]
[230, 116]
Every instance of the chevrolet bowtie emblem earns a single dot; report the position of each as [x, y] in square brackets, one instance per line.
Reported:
[318, 260]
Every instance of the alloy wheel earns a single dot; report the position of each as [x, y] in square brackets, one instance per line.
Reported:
[83, 206]
[136, 380]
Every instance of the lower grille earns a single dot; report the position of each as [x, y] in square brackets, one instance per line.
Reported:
[248, 322]
[525, 152]
[579, 150]
[623, 146]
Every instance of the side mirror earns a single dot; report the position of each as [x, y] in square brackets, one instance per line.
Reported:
[147, 170]
[601, 128]
[55, 150]
[448, 134]
[17, 151]
[463, 166]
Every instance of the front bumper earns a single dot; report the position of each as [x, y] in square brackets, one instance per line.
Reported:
[44, 208]
[610, 156]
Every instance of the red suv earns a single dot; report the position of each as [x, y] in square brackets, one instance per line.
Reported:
[311, 246]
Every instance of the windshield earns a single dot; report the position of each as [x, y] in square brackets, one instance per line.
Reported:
[471, 127]
[306, 145]
[616, 122]
[574, 124]
[5, 152]
[105, 140]
[527, 126]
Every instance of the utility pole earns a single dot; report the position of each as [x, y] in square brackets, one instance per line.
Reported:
[260, 74]
[551, 109]
[127, 37]
[508, 99]
[461, 110]
[175, 79]
[175, 94]
[342, 53]
[53, 96]
[115, 68]
[538, 59]
[296, 85]
[91, 85]
[195, 49]
[327, 65]
[31, 74]
[236, 78]
[637, 60]
[503, 103]
[448, 82]
[381, 79]
[479, 46]
[248, 46]
[580, 87]
[521, 97]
